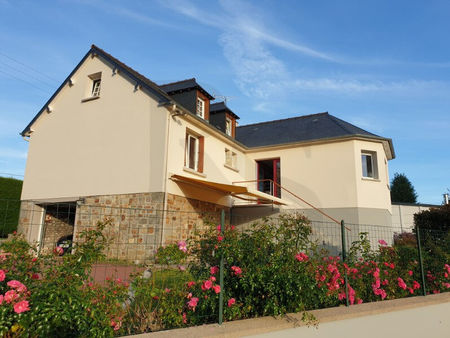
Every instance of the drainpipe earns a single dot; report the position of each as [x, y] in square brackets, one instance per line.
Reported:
[166, 160]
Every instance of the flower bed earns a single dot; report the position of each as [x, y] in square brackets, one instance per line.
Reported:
[271, 269]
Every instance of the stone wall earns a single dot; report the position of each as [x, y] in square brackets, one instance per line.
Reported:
[137, 224]
[185, 216]
[133, 223]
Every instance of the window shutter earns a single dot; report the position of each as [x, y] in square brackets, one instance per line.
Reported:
[201, 141]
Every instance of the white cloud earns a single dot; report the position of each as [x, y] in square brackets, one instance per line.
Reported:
[260, 74]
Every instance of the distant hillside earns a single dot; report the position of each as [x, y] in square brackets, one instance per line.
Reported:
[10, 190]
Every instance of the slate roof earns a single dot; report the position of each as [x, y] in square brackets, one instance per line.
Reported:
[180, 86]
[219, 107]
[299, 129]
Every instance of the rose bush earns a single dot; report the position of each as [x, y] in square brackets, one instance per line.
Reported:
[270, 268]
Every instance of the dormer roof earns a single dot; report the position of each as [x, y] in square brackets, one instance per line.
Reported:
[183, 86]
[219, 107]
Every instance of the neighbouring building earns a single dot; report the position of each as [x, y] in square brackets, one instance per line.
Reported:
[109, 139]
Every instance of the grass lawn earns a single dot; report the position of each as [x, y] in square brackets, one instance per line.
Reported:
[10, 190]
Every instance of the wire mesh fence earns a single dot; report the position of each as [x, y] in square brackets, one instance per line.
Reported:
[143, 247]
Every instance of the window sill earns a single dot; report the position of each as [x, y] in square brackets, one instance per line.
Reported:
[370, 179]
[192, 171]
[90, 98]
[230, 167]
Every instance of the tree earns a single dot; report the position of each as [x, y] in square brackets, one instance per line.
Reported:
[402, 189]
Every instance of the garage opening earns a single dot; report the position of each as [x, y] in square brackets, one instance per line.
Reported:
[58, 227]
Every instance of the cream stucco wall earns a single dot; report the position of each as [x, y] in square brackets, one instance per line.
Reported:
[328, 175]
[111, 145]
[214, 168]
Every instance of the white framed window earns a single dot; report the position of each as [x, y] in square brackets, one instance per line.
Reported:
[369, 164]
[200, 107]
[93, 87]
[228, 126]
[230, 158]
[192, 147]
[96, 87]
[96, 84]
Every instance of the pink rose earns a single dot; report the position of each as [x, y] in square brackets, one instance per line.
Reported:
[416, 285]
[301, 257]
[231, 301]
[212, 279]
[207, 285]
[190, 284]
[219, 238]
[184, 318]
[182, 246]
[21, 306]
[214, 270]
[382, 242]
[237, 270]
[2, 275]
[58, 251]
[216, 288]
[15, 284]
[401, 283]
[10, 296]
[193, 303]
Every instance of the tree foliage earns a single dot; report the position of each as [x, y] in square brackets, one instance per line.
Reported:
[402, 189]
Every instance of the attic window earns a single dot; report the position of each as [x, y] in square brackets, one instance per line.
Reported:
[228, 126]
[96, 87]
[201, 108]
[93, 86]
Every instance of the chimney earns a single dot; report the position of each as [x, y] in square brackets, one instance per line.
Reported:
[446, 199]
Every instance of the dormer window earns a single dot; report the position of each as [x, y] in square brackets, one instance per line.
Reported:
[228, 127]
[96, 87]
[200, 107]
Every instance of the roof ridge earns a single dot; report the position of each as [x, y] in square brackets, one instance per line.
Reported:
[289, 118]
[176, 82]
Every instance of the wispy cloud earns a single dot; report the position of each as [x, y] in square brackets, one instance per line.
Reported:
[259, 73]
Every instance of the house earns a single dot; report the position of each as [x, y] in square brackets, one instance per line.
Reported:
[111, 138]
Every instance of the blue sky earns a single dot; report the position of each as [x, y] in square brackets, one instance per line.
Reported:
[382, 65]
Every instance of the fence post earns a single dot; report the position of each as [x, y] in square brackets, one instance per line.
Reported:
[222, 226]
[419, 249]
[344, 257]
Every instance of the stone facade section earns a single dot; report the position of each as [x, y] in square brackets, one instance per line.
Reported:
[186, 216]
[136, 224]
[133, 223]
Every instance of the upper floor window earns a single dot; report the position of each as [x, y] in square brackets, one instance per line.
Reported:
[230, 158]
[194, 152]
[228, 126]
[201, 108]
[96, 87]
[93, 86]
[369, 164]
